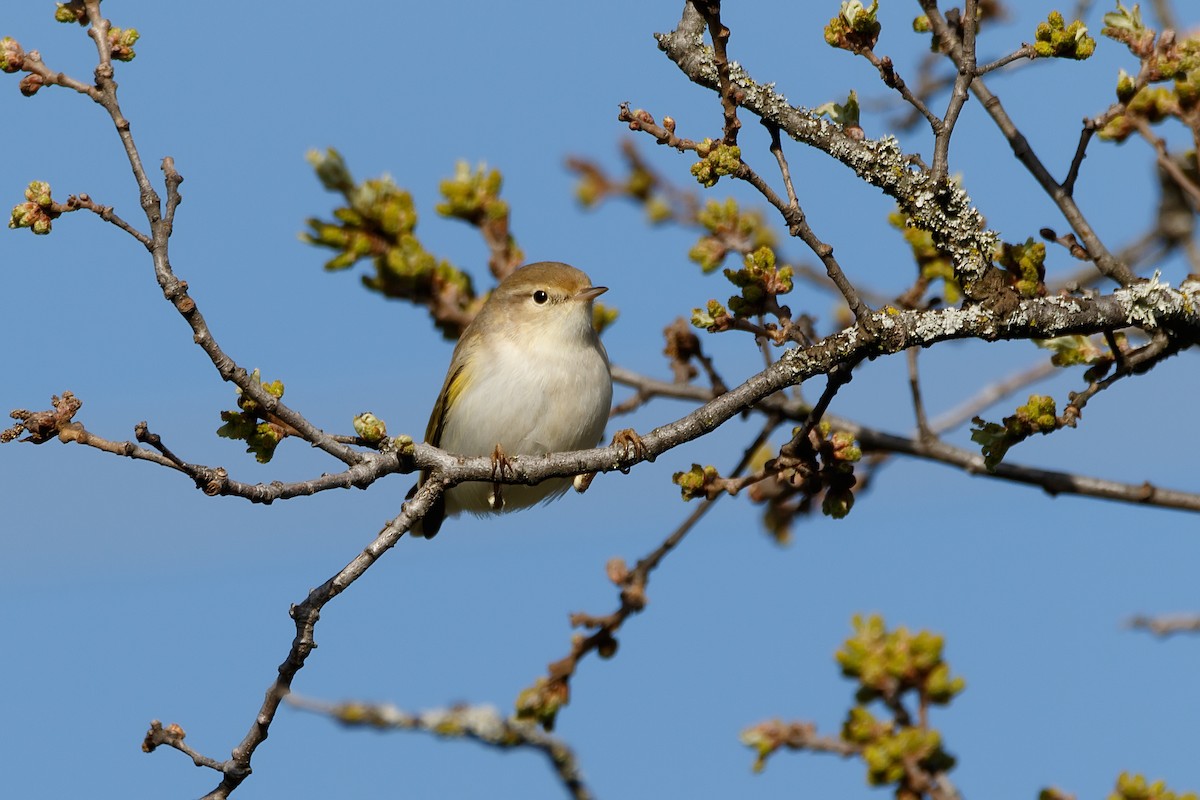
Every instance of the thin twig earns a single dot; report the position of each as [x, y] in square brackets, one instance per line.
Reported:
[838, 377]
[784, 170]
[990, 394]
[632, 595]
[914, 386]
[1138, 361]
[711, 9]
[106, 213]
[1024, 51]
[798, 226]
[215, 481]
[1168, 164]
[887, 71]
[1085, 137]
[965, 62]
[173, 736]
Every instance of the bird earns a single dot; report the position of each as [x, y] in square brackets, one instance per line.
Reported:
[529, 376]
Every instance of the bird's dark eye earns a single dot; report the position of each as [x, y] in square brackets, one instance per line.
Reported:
[540, 297]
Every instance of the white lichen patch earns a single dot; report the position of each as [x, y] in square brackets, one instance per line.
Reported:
[482, 721]
[1070, 305]
[1144, 303]
[932, 326]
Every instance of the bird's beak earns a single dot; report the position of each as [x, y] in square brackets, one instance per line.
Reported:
[591, 293]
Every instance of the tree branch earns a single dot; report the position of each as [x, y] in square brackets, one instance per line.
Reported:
[940, 207]
[543, 700]
[236, 769]
[482, 724]
[1061, 194]
[1151, 305]
[174, 289]
[1167, 625]
[1054, 482]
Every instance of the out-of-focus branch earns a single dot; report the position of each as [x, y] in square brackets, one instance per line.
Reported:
[1168, 164]
[914, 388]
[1166, 14]
[1167, 625]
[985, 397]
[483, 724]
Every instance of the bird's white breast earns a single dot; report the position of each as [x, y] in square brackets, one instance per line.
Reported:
[530, 399]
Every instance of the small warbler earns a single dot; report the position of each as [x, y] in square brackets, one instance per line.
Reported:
[529, 376]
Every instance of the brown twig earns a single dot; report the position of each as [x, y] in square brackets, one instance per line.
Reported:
[1024, 51]
[83, 201]
[892, 79]
[58, 422]
[798, 226]
[173, 736]
[1136, 362]
[837, 377]
[965, 62]
[711, 10]
[33, 64]
[1085, 137]
[632, 583]
[553, 691]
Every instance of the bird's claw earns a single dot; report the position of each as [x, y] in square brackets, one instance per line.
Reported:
[630, 447]
[500, 467]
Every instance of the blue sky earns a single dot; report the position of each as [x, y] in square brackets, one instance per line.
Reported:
[129, 596]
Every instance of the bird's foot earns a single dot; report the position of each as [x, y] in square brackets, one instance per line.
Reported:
[501, 466]
[630, 447]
